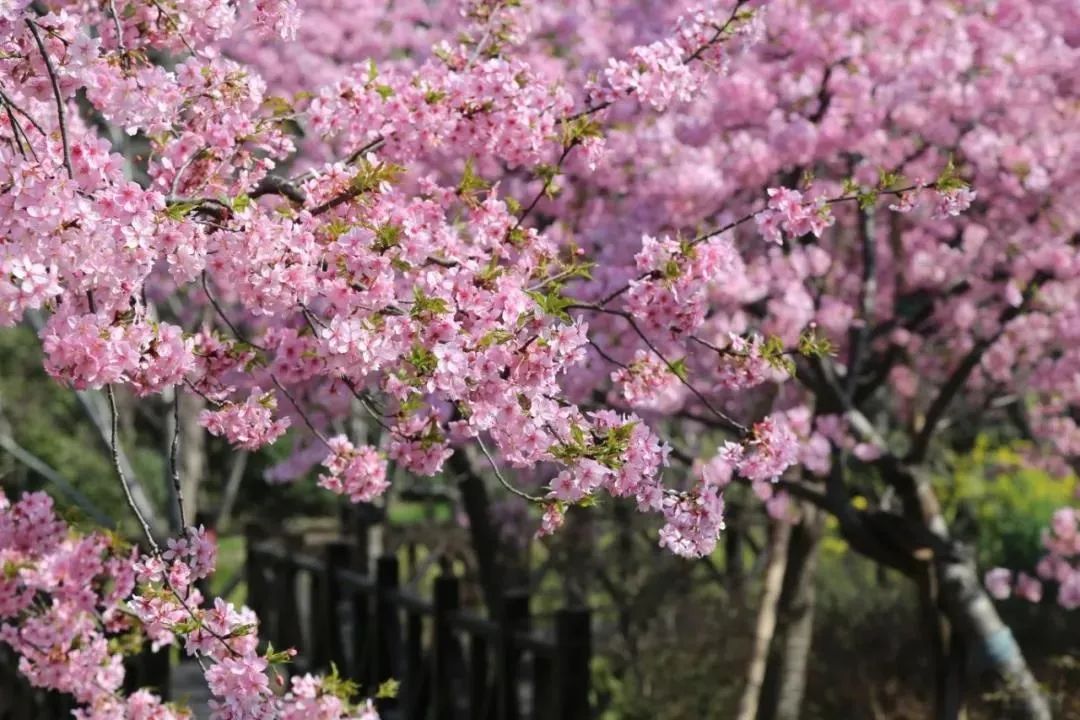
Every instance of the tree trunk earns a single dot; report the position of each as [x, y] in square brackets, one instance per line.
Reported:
[779, 536]
[976, 624]
[237, 466]
[785, 675]
[973, 620]
[948, 662]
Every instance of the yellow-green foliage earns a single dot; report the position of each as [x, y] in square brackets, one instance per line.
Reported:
[1005, 500]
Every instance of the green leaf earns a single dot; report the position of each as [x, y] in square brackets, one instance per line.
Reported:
[386, 237]
[388, 689]
[179, 210]
[552, 302]
[370, 176]
[471, 185]
[949, 179]
[278, 106]
[241, 203]
[433, 96]
[578, 129]
[679, 368]
[425, 306]
[422, 360]
[498, 336]
[339, 687]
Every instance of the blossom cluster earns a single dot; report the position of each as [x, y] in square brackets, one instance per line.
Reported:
[250, 424]
[789, 212]
[476, 224]
[1058, 566]
[358, 473]
[379, 276]
[670, 70]
[70, 602]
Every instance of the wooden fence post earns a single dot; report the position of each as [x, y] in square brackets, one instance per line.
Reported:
[413, 680]
[361, 640]
[514, 618]
[573, 648]
[288, 616]
[480, 704]
[327, 625]
[447, 601]
[356, 521]
[384, 630]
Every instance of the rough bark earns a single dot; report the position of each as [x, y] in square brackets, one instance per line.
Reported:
[785, 675]
[973, 620]
[948, 661]
[976, 624]
[779, 536]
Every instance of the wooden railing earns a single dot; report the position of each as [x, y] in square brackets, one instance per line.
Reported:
[451, 663]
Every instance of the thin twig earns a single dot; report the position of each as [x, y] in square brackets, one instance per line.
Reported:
[653, 274]
[600, 351]
[225, 318]
[732, 423]
[502, 480]
[544, 189]
[173, 449]
[300, 411]
[15, 132]
[116, 26]
[114, 446]
[56, 93]
[696, 55]
[7, 99]
[371, 146]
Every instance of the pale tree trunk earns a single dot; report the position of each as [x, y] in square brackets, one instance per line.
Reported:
[232, 489]
[779, 536]
[974, 623]
[785, 676]
[949, 661]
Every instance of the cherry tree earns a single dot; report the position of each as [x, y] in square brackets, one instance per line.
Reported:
[574, 244]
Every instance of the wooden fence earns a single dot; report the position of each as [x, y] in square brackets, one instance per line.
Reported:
[451, 663]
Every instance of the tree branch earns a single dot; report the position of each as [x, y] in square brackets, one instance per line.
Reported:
[56, 94]
[867, 297]
[956, 381]
[114, 444]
